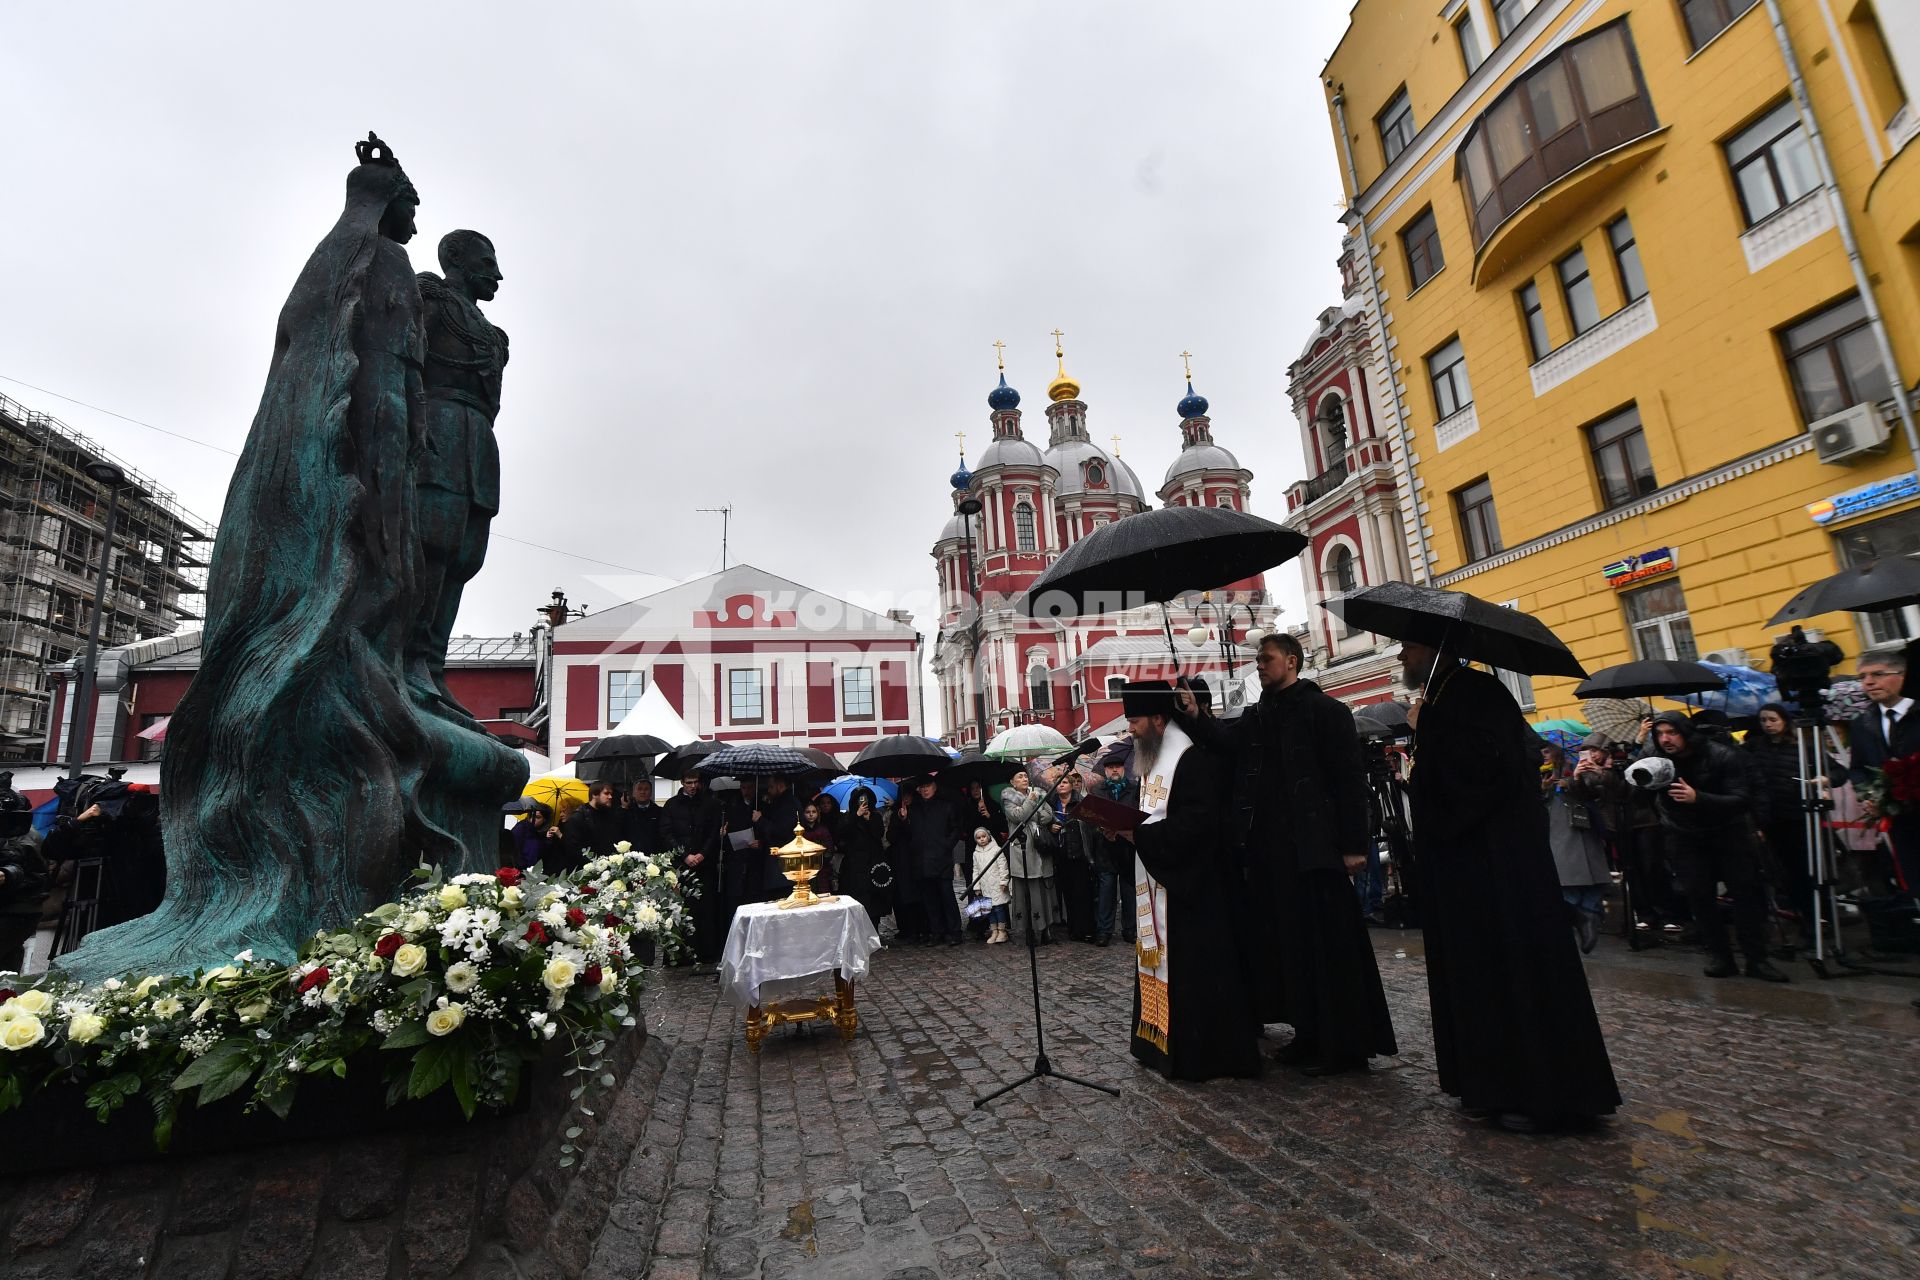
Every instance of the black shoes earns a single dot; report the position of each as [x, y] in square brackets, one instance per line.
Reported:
[1764, 970]
[1723, 967]
[1515, 1122]
[1588, 931]
[1333, 1066]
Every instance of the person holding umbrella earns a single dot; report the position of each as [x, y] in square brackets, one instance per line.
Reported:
[690, 822]
[931, 833]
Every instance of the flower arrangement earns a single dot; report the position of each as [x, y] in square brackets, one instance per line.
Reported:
[1896, 788]
[461, 982]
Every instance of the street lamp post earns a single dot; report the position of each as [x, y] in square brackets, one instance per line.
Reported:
[969, 508]
[114, 479]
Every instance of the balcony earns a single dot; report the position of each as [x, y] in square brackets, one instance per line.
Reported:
[1627, 325]
[1574, 107]
[1327, 481]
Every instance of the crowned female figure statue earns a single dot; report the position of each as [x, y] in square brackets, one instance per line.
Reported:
[291, 776]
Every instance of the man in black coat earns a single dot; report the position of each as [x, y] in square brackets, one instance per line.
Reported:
[1514, 1032]
[1711, 816]
[690, 823]
[590, 832]
[928, 826]
[1299, 828]
[775, 815]
[1113, 857]
[1192, 1012]
[24, 876]
[1887, 731]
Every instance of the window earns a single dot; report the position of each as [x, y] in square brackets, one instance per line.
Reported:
[1657, 616]
[1581, 101]
[1039, 689]
[1880, 77]
[1395, 123]
[1023, 527]
[1708, 18]
[1472, 52]
[1772, 163]
[1479, 529]
[1577, 284]
[1421, 240]
[1620, 460]
[1096, 475]
[744, 697]
[623, 693]
[1885, 539]
[1834, 362]
[1342, 579]
[1519, 684]
[1626, 257]
[1114, 685]
[856, 693]
[1507, 14]
[1536, 320]
[1447, 367]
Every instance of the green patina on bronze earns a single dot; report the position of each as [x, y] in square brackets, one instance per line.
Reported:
[317, 757]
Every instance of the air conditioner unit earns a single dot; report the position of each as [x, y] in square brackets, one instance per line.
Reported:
[1729, 658]
[1850, 433]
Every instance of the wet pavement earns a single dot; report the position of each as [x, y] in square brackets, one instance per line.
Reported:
[1768, 1131]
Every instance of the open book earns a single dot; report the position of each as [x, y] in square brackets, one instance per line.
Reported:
[1107, 814]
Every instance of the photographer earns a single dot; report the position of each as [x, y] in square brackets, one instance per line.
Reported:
[1708, 812]
[24, 878]
[1774, 748]
[1581, 803]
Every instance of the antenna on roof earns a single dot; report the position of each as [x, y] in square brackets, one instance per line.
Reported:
[726, 521]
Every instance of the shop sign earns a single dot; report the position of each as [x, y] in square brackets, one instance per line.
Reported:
[1648, 564]
[1868, 497]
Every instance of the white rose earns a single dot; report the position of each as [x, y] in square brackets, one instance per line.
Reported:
[623, 847]
[653, 871]
[409, 960]
[511, 897]
[446, 1019]
[462, 977]
[618, 886]
[559, 975]
[83, 1027]
[673, 878]
[418, 922]
[648, 916]
[33, 1001]
[609, 980]
[452, 896]
[23, 1031]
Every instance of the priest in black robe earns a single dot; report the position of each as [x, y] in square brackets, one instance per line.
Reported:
[1192, 1016]
[1298, 825]
[1514, 1032]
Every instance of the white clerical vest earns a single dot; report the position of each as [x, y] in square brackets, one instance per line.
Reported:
[1150, 900]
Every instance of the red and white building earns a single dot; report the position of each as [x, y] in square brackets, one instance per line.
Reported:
[742, 656]
[1036, 503]
[1350, 507]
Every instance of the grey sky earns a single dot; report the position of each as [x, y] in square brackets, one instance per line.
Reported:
[753, 252]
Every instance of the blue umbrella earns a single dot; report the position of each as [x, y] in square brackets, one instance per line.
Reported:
[1746, 691]
[842, 787]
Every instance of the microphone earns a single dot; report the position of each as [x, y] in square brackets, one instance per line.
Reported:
[1084, 748]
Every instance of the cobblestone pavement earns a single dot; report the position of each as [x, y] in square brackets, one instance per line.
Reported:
[1767, 1132]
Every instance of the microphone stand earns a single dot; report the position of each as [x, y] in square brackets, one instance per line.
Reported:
[1042, 1068]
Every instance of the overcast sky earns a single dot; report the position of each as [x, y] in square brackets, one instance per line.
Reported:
[754, 253]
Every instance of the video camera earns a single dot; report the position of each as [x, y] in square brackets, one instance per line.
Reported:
[1803, 668]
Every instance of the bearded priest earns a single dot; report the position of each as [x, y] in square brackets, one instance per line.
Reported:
[1192, 1014]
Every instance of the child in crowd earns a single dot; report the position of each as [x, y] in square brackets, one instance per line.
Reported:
[990, 877]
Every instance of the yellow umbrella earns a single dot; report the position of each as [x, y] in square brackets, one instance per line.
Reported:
[562, 795]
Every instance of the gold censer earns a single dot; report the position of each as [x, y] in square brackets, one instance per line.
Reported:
[802, 859]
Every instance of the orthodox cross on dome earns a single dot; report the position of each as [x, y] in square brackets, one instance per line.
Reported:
[1186, 360]
[961, 436]
[1058, 352]
[1000, 354]
[1116, 445]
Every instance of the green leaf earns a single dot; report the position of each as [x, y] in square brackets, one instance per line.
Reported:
[165, 1107]
[406, 1036]
[432, 1067]
[219, 1071]
[462, 1077]
[279, 1100]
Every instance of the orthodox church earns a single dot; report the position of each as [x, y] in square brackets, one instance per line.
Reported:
[1015, 510]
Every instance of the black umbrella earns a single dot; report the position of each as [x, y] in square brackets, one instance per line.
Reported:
[1865, 588]
[1155, 556]
[1463, 626]
[622, 746]
[756, 760]
[974, 767]
[1382, 720]
[680, 761]
[822, 760]
[899, 756]
[1649, 678]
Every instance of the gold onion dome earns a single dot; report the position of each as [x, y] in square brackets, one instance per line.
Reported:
[1062, 387]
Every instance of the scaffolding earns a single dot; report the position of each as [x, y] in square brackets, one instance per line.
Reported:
[52, 522]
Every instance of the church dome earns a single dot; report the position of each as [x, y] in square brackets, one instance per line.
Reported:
[955, 529]
[1193, 404]
[1070, 458]
[1204, 456]
[1010, 451]
[1003, 397]
[961, 478]
[1126, 481]
[1063, 388]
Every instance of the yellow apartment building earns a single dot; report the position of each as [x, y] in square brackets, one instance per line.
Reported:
[1646, 274]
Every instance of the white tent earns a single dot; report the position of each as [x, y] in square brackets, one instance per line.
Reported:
[655, 715]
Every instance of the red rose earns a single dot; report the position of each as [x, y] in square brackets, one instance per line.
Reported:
[6, 994]
[536, 933]
[592, 976]
[613, 921]
[508, 876]
[318, 978]
[388, 944]
[576, 917]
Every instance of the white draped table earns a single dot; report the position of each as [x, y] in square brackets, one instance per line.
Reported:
[775, 960]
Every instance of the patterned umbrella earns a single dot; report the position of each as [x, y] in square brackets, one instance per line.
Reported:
[1024, 741]
[756, 760]
[1618, 718]
[1564, 733]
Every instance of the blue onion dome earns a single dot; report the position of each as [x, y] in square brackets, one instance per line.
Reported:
[1003, 397]
[1193, 404]
[961, 478]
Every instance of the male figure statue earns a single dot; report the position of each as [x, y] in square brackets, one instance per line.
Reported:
[457, 466]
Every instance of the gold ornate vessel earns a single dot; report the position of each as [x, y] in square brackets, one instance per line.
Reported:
[802, 859]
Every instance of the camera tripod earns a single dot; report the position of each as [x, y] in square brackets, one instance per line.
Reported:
[1387, 815]
[1823, 855]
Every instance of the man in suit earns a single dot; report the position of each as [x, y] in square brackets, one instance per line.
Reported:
[1886, 731]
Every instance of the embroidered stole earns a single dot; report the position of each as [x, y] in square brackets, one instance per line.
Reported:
[1150, 900]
